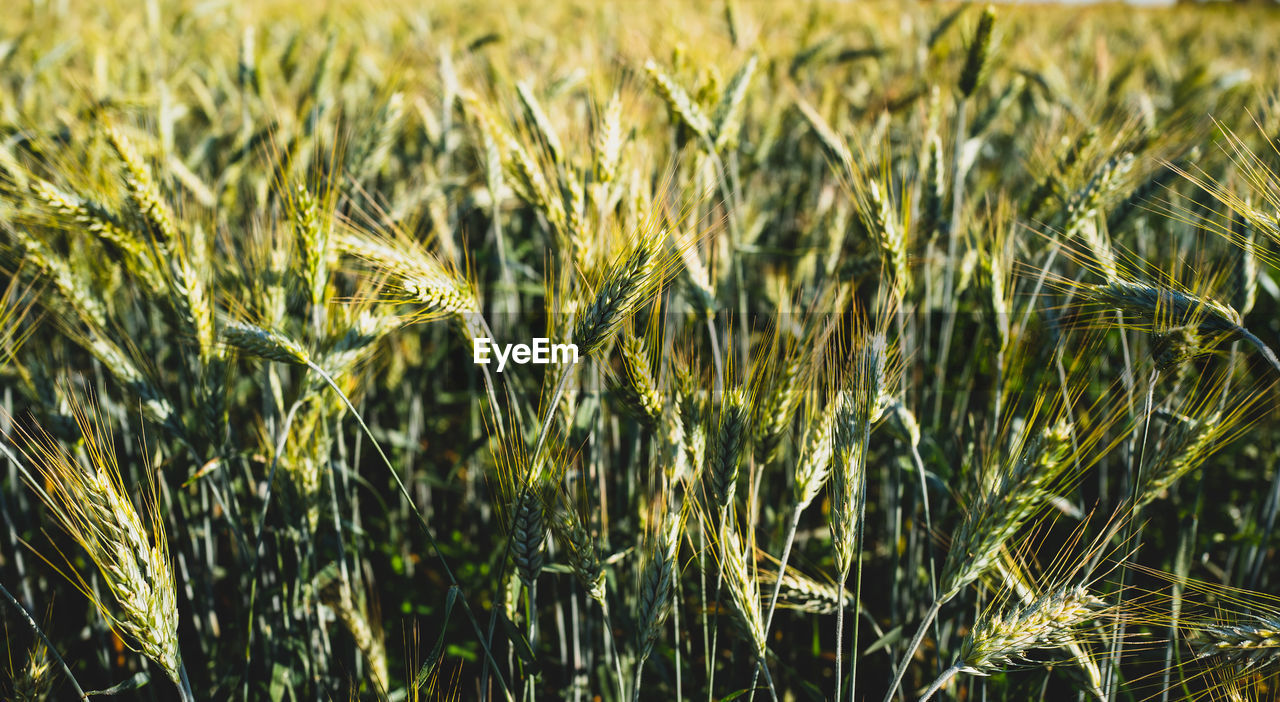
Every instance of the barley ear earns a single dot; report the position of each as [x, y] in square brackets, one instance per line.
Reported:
[89, 502]
[975, 64]
[1001, 639]
[730, 441]
[265, 343]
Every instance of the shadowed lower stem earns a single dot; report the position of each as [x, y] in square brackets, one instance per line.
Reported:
[426, 528]
[911, 649]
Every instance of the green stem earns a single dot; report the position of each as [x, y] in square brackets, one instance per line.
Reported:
[257, 537]
[613, 648]
[487, 638]
[1262, 348]
[715, 617]
[844, 575]
[635, 684]
[184, 684]
[942, 680]
[911, 649]
[857, 590]
[782, 570]
[422, 522]
[545, 428]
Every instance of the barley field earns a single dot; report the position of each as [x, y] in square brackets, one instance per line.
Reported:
[381, 350]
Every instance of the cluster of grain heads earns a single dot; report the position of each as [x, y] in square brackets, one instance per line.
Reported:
[776, 398]
[361, 622]
[1014, 574]
[811, 475]
[625, 284]
[743, 584]
[1171, 349]
[313, 234]
[90, 503]
[188, 267]
[263, 343]
[607, 146]
[1079, 213]
[526, 174]
[582, 548]
[883, 223]
[358, 342]
[72, 290]
[728, 435]
[849, 461]
[1010, 496]
[106, 224]
[528, 533]
[849, 468]
[1165, 306]
[333, 179]
[1187, 444]
[583, 552]
[814, 468]
[1227, 638]
[143, 191]
[802, 593]
[684, 109]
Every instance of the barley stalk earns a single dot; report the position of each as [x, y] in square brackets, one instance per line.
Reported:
[143, 190]
[90, 503]
[313, 239]
[265, 343]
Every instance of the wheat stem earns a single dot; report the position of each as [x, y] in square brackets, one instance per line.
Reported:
[782, 568]
[184, 687]
[939, 682]
[911, 649]
[422, 522]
